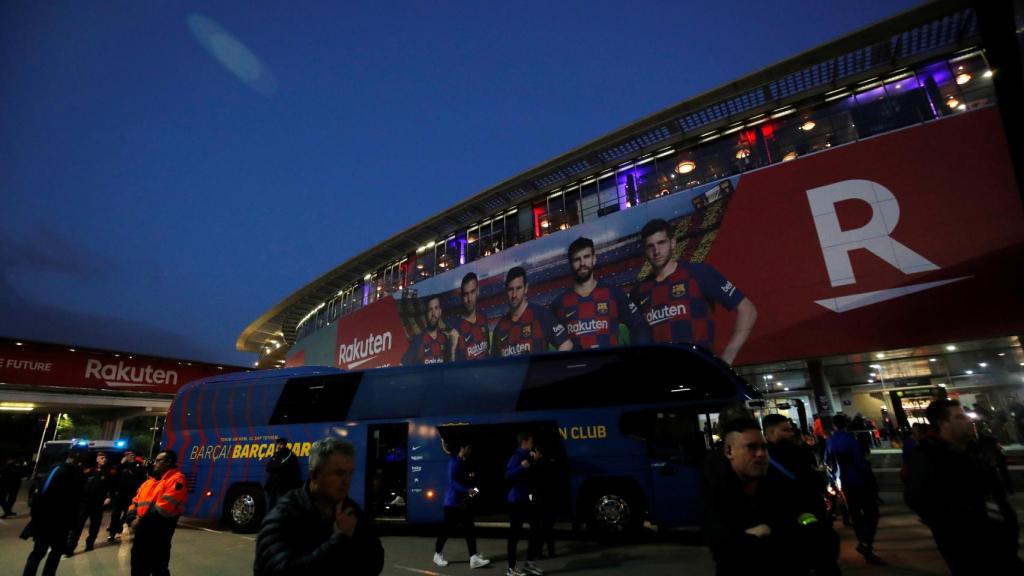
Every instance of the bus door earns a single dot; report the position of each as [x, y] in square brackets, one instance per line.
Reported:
[677, 445]
[386, 465]
[493, 446]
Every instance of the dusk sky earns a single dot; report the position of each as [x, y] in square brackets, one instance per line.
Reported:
[172, 170]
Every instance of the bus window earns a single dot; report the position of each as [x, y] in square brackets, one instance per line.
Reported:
[395, 393]
[674, 435]
[318, 399]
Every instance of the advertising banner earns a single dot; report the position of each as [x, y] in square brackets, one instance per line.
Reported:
[912, 237]
[43, 365]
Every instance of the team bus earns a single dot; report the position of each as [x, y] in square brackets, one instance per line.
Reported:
[624, 429]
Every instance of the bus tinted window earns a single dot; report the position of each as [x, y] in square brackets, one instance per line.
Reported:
[631, 376]
[472, 388]
[317, 399]
[396, 393]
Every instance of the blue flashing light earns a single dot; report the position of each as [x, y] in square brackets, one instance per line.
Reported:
[82, 443]
[120, 443]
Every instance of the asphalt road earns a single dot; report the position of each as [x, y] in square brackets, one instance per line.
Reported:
[204, 548]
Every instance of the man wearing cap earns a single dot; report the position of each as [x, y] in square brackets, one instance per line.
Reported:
[154, 515]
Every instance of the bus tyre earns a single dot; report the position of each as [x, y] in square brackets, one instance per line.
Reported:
[614, 510]
[245, 509]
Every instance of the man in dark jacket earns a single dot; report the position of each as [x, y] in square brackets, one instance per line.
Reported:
[318, 529]
[752, 513]
[98, 484]
[282, 472]
[129, 475]
[849, 455]
[54, 511]
[795, 462]
[961, 498]
[10, 483]
[519, 474]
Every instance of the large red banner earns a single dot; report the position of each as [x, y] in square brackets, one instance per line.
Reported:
[908, 238]
[33, 364]
[371, 337]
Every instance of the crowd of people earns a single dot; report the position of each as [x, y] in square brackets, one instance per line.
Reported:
[766, 494]
[148, 498]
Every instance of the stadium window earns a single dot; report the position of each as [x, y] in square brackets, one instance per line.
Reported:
[498, 233]
[572, 204]
[513, 228]
[608, 195]
[588, 200]
[473, 244]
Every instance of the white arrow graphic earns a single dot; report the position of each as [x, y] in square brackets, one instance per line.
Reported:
[854, 301]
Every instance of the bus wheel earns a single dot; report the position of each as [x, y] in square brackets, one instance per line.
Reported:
[246, 508]
[614, 511]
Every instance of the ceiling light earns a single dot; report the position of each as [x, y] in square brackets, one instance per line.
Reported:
[876, 366]
[950, 347]
[17, 406]
[544, 224]
[809, 125]
[770, 377]
[686, 166]
[788, 157]
[952, 102]
[17, 344]
[963, 78]
[742, 153]
[969, 372]
[871, 381]
[1002, 354]
[987, 74]
[786, 389]
[983, 364]
[962, 107]
[880, 355]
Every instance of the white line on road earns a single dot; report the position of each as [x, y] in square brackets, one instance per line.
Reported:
[418, 571]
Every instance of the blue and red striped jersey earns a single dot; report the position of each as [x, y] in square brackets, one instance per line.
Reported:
[593, 321]
[678, 308]
[474, 339]
[535, 330]
[424, 349]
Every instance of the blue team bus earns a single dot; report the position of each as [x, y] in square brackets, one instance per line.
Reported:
[624, 430]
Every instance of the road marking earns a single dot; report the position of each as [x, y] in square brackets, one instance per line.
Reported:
[418, 571]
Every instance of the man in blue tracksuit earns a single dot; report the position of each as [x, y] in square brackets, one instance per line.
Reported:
[458, 507]
[846, 455]
[519, 474]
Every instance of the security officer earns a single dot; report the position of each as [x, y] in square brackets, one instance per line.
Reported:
[129, 475]
[154, 515]
[98, 485]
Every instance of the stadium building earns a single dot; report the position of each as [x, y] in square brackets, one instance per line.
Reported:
[846, 223]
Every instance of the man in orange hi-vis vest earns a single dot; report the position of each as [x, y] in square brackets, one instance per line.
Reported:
[154, 514]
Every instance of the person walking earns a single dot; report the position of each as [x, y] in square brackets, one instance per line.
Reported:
[95, 495]
[518, 473]
[283, 472]
[959, 495]
[54, 511]
[848, 455]
[458, 507]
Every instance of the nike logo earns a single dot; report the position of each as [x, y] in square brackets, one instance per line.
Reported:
[570, 313]
[359, 363]
[415, 448]
[854, 301]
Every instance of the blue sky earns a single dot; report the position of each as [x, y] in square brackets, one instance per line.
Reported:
[171, 170]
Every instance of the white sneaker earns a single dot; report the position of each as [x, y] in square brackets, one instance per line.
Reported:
[514, 572]
[439, 560]
[476, 561]
[532, 569]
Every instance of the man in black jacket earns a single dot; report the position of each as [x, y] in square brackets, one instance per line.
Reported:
[129, 475]
[282, 473]
[98, 484]
[753, 515]
[318, 529]
[54, 511]
[961, 498]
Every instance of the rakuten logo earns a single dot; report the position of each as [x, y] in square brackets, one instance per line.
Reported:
[362, 351]
[478, 349]
[121, 374]
[516, 349]
[588, 326]
[659, 315]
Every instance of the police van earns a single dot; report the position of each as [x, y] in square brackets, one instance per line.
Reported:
[56, 451]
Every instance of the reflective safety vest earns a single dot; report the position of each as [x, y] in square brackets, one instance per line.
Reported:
[166, 495]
